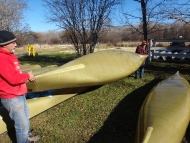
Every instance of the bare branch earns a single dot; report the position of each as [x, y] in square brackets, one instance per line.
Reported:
[82, 19]
[11, 14]
[149, 17]
[180, 12]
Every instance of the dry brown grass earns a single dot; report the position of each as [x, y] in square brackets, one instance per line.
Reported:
[129, 46]
[70, 49]
[45, 48]
[118, 45]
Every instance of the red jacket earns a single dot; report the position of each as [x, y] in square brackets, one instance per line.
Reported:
[12, 80]
[140, 50]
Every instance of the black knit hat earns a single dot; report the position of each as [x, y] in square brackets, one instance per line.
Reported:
[6, 37]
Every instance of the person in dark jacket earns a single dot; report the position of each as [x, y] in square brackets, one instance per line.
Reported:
[143, 50]
[13, 88]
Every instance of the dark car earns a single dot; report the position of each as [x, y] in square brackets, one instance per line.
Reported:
[177, 44]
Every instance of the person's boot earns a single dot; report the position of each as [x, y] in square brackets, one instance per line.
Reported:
[34, 139]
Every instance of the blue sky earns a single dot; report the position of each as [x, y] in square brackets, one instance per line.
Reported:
[35, 15]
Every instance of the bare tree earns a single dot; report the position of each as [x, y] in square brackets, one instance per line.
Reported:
[180, 12]
[82, 20]
[11, 14]
[25, 38]
[148, 17]
[12, 19]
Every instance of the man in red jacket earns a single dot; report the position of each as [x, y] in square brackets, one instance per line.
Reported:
[13, 88]
[143, 50]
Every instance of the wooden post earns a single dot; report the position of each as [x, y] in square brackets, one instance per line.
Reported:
[149, 49]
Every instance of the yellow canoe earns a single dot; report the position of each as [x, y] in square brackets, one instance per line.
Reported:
[24, 65]
[40, 104]
[44, 69]
[37, 69]
[165, 114]
[93, 69]
[29, 67]
[76, 76]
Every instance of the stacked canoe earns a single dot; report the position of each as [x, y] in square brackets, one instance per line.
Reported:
[74, 77]
[93, 69]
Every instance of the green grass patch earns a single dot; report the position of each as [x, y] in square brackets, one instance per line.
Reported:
[102, 114]
[47, 59]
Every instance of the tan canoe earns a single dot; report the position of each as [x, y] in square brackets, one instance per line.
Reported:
[29, 67]
[24, 65]
[76, 76]
[38, 105]
[37, 69]
[93, 69]
[44, 69]
[165, 114]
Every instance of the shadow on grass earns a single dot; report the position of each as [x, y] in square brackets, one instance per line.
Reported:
[120, 126]
[47, 60]
[11, 130]
[187, 135]
[91, 88]
[160, 67]
[12, 135]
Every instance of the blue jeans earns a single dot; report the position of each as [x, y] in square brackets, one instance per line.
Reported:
[19, 113]
[140, 71]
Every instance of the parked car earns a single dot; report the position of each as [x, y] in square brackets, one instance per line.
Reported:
[170, 52]
[184, 52]
[177, 44]
[162, 52]
[181, 52]
[155, 51]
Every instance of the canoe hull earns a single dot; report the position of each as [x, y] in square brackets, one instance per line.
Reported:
[44, 69]
[93, 69]
[29, 67]
[39, 105]
[166, 111]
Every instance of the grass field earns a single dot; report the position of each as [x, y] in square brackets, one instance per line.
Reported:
[102, 114]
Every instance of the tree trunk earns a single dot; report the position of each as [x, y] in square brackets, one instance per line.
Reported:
[143, 8]
[92, 48]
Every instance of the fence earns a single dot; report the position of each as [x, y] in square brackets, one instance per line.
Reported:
[153, 54]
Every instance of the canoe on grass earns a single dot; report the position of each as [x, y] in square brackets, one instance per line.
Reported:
[165, 114]
[44, 69]
[29, 67]
[37, 69]
[24, 65]
[40, 104]
[93, 69]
